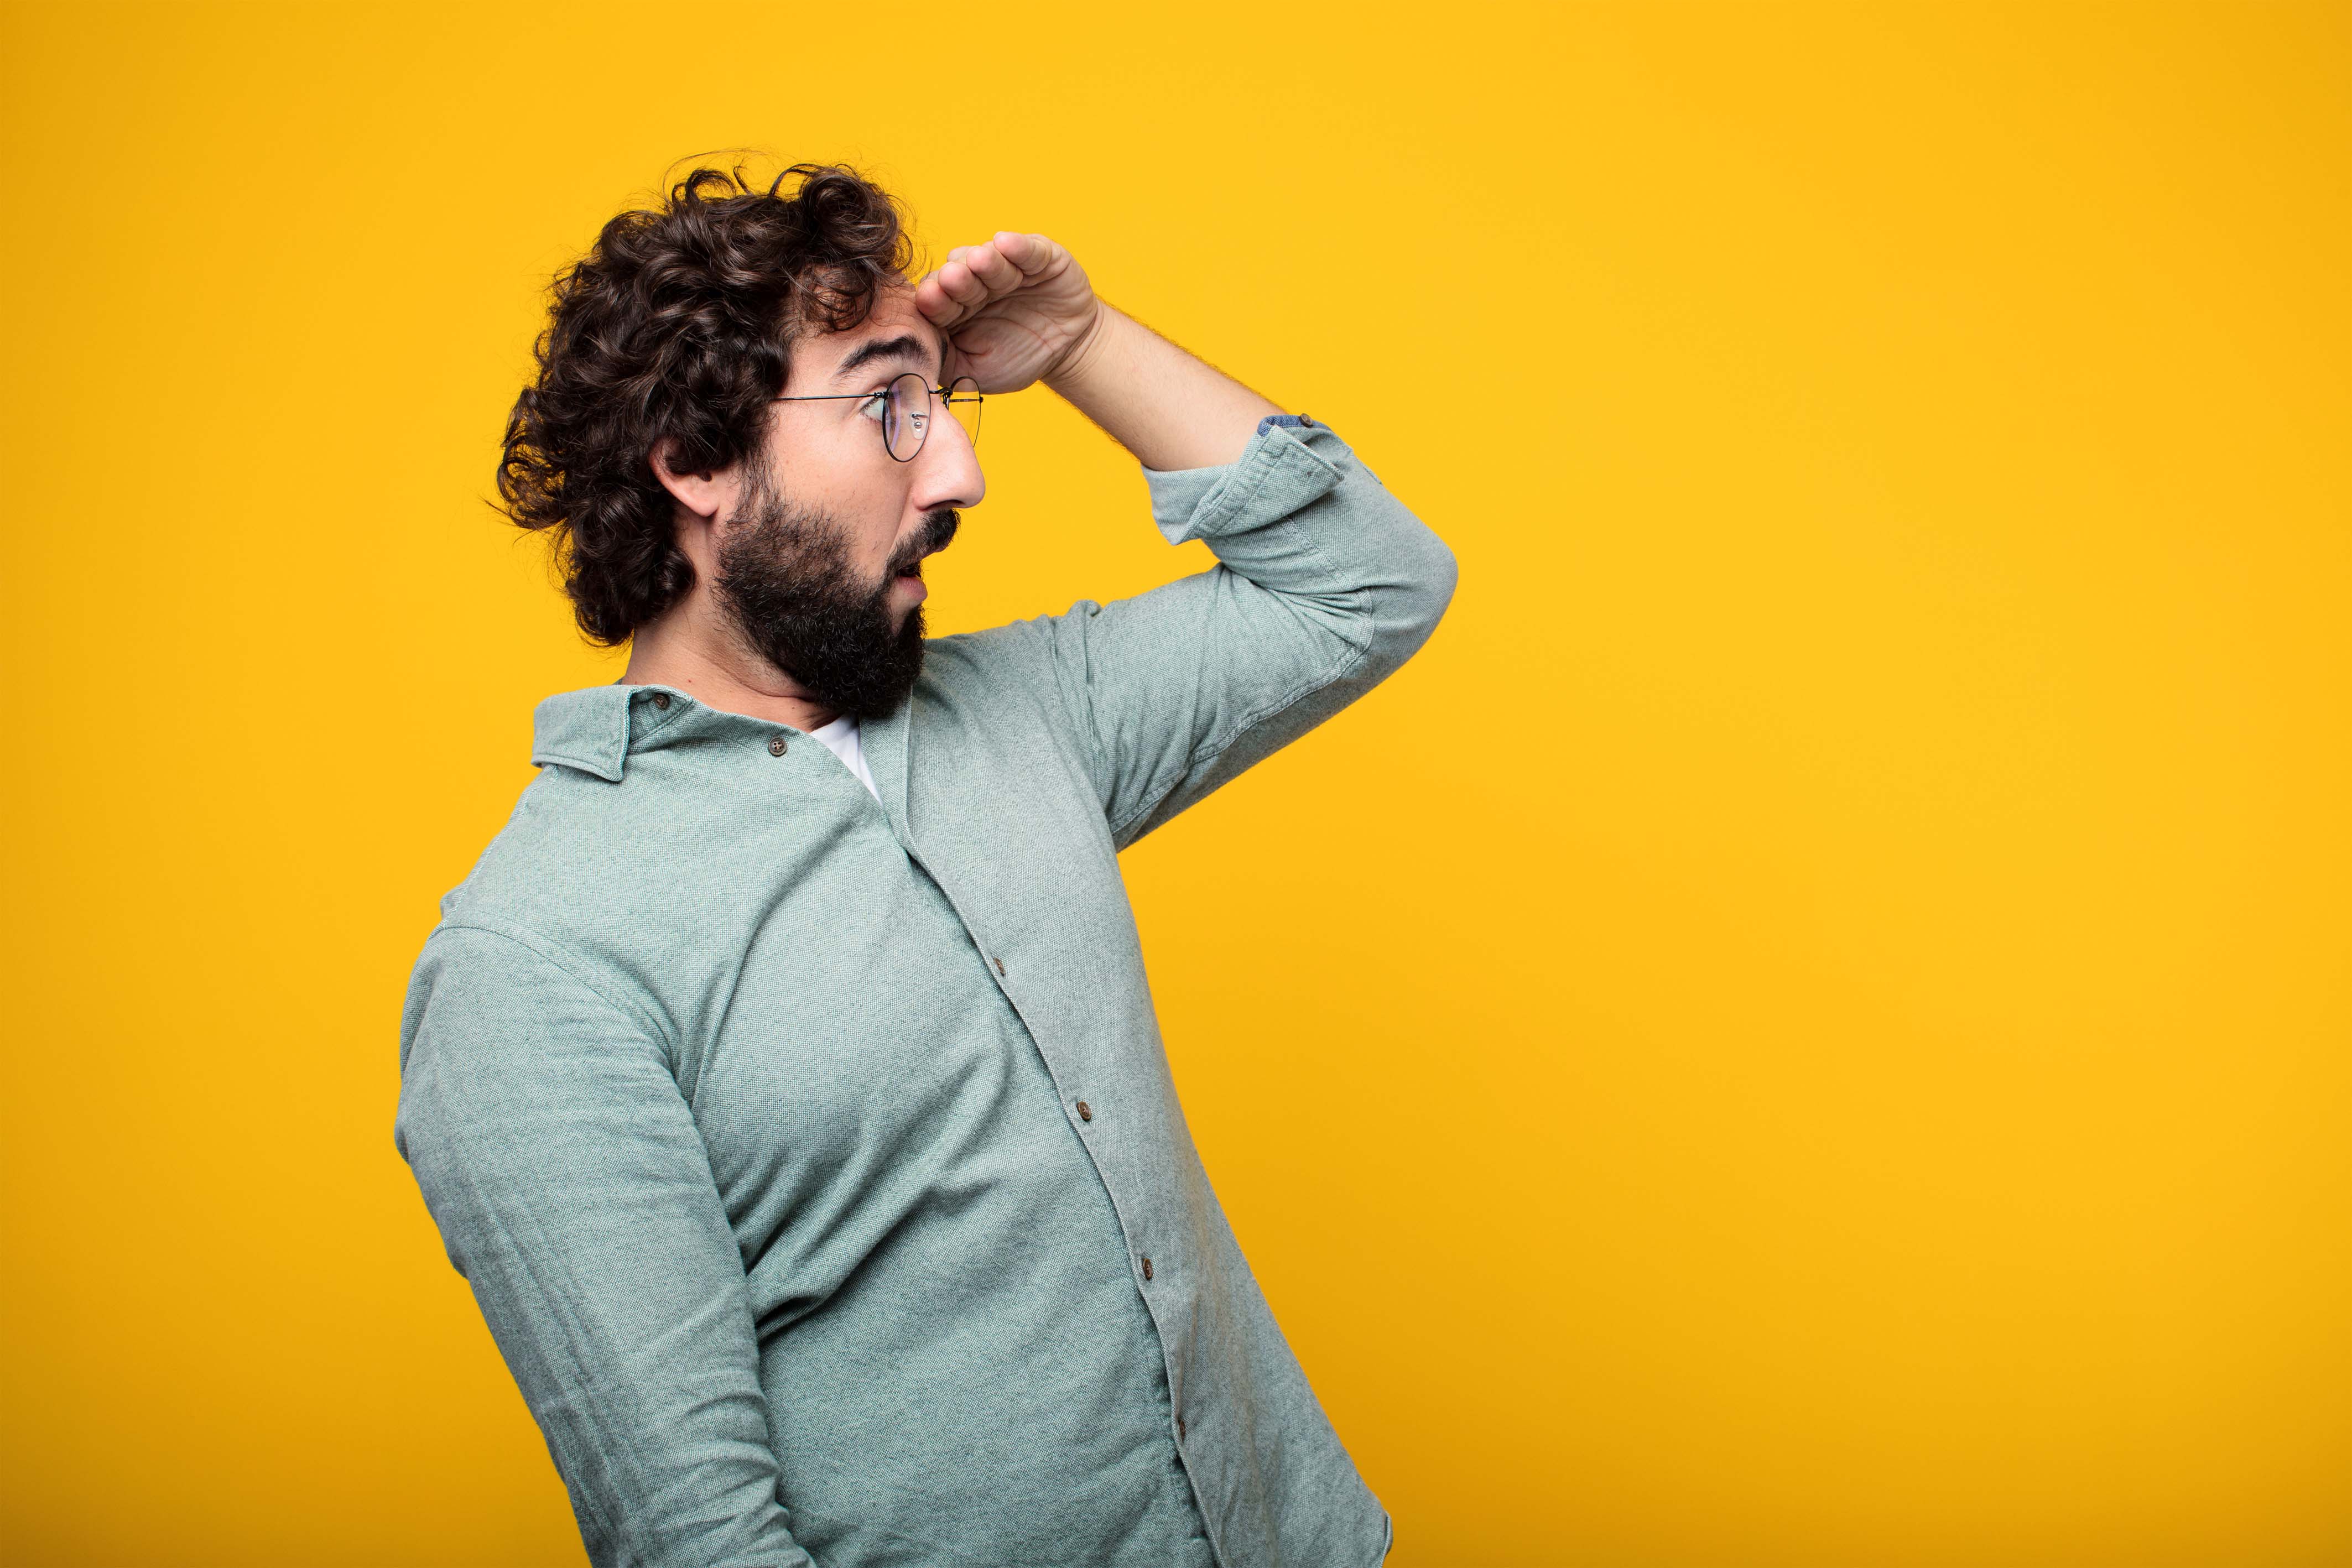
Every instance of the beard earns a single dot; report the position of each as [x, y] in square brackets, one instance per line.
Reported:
[786, 581]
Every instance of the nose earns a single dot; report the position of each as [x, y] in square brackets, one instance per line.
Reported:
[947, 470]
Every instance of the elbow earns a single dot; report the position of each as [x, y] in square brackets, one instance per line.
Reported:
[1392, 617]
[1426, 589]
[1445, 571]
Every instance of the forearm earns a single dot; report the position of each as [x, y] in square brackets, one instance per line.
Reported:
[1170, 409]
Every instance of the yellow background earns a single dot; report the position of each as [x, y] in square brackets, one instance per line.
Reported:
[1808, 1027]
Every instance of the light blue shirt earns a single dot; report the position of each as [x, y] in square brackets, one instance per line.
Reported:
[814, 1156]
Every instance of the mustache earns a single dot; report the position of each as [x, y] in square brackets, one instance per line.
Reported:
[937, 532]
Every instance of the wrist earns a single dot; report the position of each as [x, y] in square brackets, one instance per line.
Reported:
[1077, 363]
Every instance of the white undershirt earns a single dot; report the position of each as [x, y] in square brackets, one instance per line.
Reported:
[840, 738]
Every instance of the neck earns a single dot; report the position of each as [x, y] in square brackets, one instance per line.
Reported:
[687, 649]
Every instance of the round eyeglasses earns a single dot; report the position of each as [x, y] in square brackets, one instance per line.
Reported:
[903, 409]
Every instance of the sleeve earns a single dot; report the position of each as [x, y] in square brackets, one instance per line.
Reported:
[572, 1191]
[1324, 585]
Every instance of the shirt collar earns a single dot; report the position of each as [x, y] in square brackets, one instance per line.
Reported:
[590, 729]
[594, 729]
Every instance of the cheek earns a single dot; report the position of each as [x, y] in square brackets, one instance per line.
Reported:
[866, 506]
[881, 546]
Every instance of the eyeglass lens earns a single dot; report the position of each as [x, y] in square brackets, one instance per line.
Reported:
[906, 413]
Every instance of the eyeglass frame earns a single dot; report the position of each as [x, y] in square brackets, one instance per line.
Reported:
[928, 390]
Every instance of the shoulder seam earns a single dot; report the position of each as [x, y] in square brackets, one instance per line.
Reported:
[559, 958]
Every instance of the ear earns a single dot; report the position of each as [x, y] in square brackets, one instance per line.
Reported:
[707, 494]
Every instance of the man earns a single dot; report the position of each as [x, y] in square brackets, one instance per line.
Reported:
[784, 1078]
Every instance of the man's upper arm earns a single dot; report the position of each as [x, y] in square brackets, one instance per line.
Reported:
[573, 1190]
[1324, 584]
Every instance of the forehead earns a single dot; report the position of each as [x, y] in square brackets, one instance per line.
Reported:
[893, 321]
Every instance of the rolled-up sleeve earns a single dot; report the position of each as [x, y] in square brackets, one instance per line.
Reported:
[1325, 583]
[573, 1192]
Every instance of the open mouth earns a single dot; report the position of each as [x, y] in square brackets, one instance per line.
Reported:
[938, 532]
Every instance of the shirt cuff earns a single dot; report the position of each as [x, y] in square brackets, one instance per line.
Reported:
[1178, 490]
[1290, 460]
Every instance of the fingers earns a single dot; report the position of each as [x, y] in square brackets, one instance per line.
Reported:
[974, 275]
[1031, 253]
[961, 284]
[950, 294]
[935, 304]
[1003, 263]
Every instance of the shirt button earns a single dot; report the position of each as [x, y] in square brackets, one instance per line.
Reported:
[661, 701]
[1000, 966]
[1085, 1111]
[776, 746]
[1179, 1426]
[1147, 1268]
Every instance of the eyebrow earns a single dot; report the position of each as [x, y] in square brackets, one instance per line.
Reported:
[906, 346]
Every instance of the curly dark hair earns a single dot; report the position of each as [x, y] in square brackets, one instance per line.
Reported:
[681, 322]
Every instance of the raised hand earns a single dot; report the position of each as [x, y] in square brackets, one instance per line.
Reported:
[1016, 309]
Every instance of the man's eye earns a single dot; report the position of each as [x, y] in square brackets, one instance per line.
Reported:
[872, 407]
